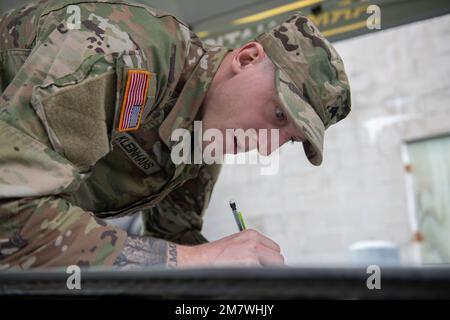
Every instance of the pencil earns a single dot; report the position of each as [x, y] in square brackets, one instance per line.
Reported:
[237, 216]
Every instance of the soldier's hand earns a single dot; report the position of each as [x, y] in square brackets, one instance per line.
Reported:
[246, 248]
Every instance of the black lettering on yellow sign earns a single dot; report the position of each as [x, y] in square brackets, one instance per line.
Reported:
[332, 22]
[136, 154]
[333, 17]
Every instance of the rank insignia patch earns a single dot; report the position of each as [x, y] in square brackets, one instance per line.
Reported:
[134, 99]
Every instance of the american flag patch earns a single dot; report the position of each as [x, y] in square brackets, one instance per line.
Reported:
[134, 99]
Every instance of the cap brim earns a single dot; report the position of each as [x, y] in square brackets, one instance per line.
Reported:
[304, 116]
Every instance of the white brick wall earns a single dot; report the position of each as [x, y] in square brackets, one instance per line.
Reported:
[359, 191]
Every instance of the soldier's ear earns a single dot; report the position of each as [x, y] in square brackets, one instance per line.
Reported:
[247, 55]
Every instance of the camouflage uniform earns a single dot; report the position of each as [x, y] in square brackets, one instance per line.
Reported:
[65, 160]
[63, 163]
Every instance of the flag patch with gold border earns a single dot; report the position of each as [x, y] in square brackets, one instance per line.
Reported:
[134, 98]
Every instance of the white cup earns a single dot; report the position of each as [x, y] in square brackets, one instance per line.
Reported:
[375, 252]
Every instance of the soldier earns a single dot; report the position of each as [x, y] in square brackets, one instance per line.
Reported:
[87, 109]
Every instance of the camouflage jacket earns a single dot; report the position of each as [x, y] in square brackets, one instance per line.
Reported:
[63, 161]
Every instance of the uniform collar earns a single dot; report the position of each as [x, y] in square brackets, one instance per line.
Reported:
[189, 101]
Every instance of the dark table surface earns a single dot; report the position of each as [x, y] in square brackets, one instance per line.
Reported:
[235, 283]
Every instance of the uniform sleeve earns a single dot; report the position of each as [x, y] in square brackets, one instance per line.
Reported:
[178, 217]
[38, 227]
[55, 124]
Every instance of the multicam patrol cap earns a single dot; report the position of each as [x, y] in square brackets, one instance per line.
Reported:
[310, 79]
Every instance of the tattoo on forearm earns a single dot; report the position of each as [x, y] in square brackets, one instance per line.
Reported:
[140, 252]
[173, 258]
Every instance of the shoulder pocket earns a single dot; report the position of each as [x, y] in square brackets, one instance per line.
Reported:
[79, 110]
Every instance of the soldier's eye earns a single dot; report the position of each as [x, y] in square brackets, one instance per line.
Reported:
[280, 114]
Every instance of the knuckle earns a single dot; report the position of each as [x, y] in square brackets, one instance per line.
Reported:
[255, 246]
[252, 245]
